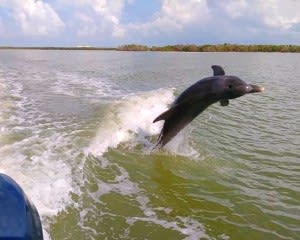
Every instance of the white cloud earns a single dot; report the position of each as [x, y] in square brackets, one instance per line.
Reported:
[35, 18]
[118, 31]
[173, 16]
[182, 21]
[279, 14]
[87, 25]
[110, 10]
[107, 15]
[266, 13]
[234, 8]
[255, 21]
[183, 12]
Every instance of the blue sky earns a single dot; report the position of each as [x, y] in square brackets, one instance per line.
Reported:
[151, 22]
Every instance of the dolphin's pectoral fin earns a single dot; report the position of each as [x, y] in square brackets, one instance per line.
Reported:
[218, 70]
[224, 102]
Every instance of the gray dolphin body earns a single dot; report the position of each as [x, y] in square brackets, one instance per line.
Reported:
[195, 99]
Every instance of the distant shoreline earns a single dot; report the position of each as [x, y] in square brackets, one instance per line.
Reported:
[55, 48]
[178, 48]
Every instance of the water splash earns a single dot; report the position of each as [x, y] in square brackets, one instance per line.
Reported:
[130, 121]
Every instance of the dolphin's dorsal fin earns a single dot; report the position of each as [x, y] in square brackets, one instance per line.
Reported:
[218, 70]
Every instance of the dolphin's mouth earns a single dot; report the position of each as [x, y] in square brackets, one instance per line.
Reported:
[254, 88]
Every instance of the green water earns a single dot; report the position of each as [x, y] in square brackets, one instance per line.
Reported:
[76, 133]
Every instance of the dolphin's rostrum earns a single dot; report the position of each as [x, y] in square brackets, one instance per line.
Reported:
[195, 99]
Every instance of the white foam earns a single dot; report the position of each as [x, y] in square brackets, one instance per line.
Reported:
[37, 158]
[188, 226]
[131, 120]
[191, 228]
[180, 144]
[70, 84]
[39, 161]
[2, 86]
[121, 184]
[45, 177]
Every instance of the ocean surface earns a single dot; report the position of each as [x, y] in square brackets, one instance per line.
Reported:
[76, 133]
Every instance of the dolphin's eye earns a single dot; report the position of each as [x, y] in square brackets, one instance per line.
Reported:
[229, 86]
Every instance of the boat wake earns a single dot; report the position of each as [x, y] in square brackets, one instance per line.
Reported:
[129, 122]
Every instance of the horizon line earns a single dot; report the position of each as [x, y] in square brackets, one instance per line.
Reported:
[225, 47]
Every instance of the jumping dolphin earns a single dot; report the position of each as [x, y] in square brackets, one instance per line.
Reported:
[195, 99]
